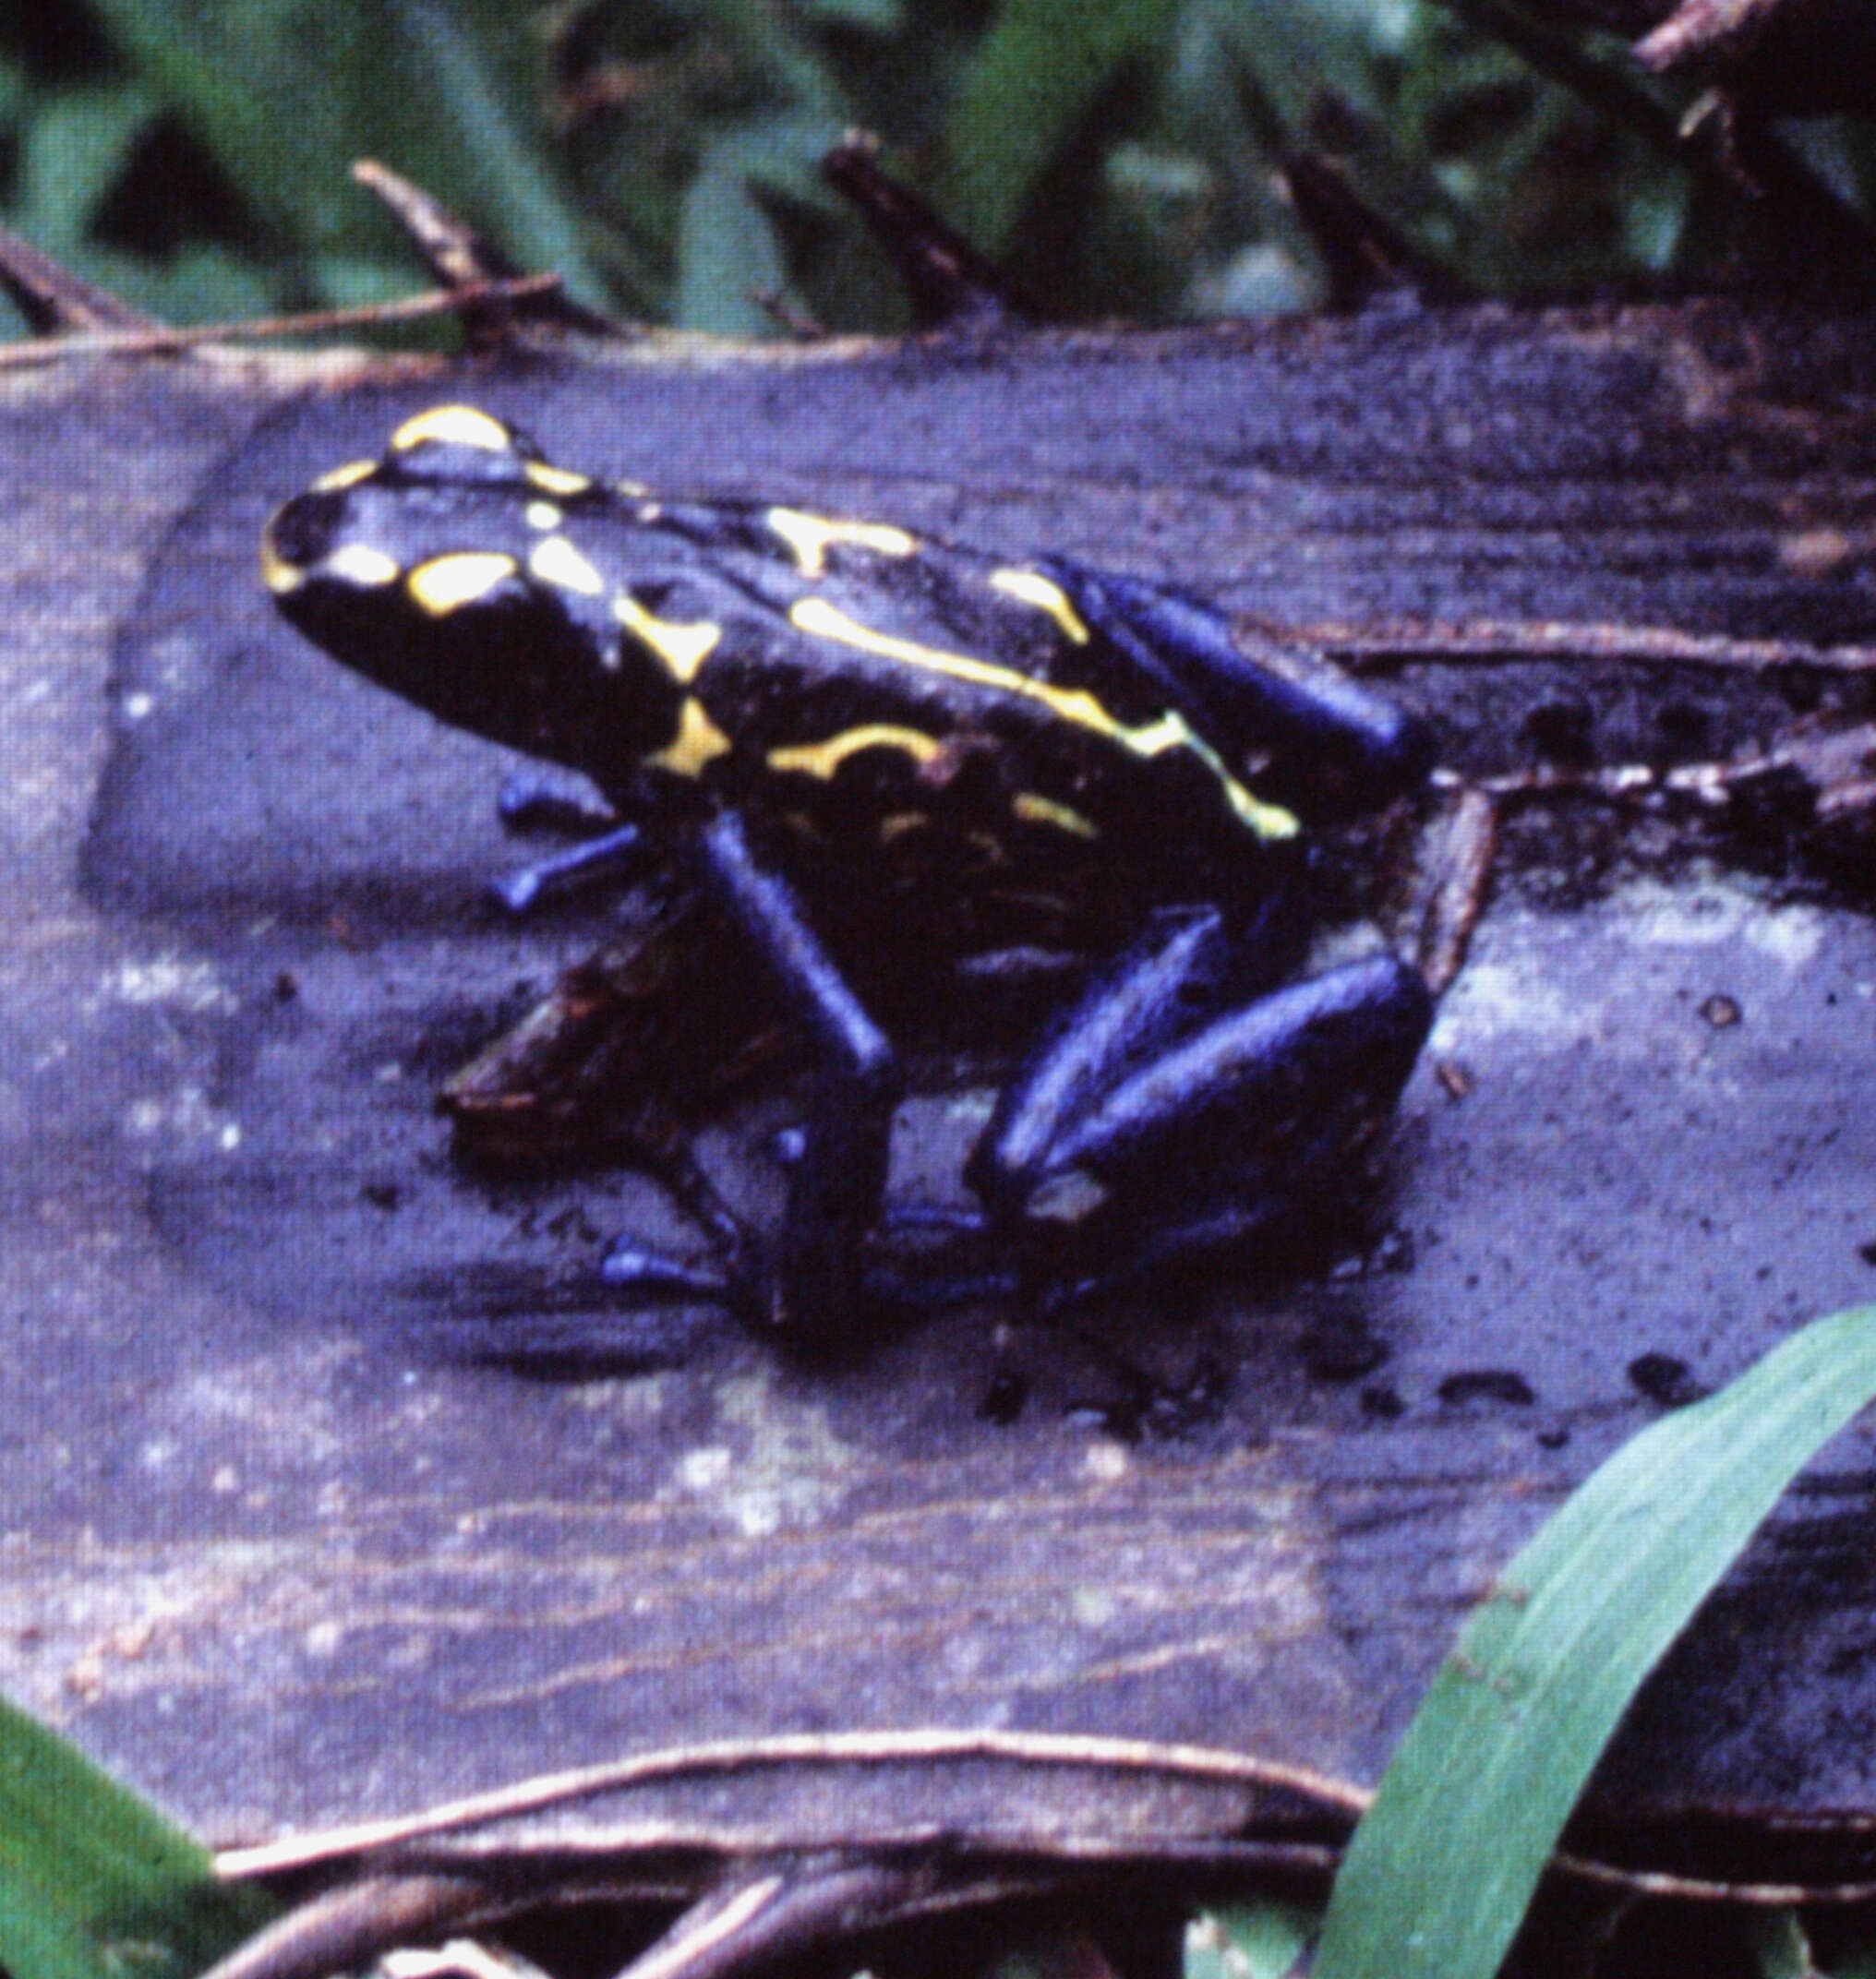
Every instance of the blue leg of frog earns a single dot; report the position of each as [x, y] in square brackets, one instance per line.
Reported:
[1243, 1124]
[1333, 749]
[838, 1179]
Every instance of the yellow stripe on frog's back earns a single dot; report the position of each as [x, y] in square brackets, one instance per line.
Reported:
[1076, 705]
[823, 759]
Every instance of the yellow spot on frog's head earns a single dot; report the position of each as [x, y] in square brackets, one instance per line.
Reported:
[276, 573]
[809, 538]
[543, 515]
[1034, 808]
[698, 741]
[557, 480]
[453, 426]
[555, 562]
[1031, 587]
[681, 648]
[358, 563]
[823, 759]
[897, 823]
[335, 478]
[446, 583]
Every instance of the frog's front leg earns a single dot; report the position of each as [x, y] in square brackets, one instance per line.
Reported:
[808, 1282]
[812, 1285]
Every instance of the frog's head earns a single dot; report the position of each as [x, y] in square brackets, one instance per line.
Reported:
[443, 572]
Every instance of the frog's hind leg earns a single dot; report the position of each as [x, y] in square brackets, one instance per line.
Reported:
[1117, 1151]
[1323, 745]
[1125, 1018]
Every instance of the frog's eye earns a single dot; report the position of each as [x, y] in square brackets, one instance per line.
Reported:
[300, 534]
[458, 445]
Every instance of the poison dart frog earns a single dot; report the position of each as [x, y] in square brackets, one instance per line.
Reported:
[849, 739]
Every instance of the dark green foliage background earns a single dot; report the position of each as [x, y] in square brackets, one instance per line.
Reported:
[663, 154]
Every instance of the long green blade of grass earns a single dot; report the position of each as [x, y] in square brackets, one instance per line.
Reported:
[1442, 1868]
[94, 1883]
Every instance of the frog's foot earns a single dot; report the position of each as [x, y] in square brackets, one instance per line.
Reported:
[604, 846]
[611, 858]
[650, 1278]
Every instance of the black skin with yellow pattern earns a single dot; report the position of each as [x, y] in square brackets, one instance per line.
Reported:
[861, 742]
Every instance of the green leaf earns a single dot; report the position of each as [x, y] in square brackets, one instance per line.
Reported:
[15, 89]
[1248, 1941]
[287, 94]
[94, 1883]
[1443, 1865]
[1033, 79]
[1307, 51]
[729, 253]
[1780, 1948]
[75, 145]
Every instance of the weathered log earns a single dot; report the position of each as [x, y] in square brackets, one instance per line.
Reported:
[333, 1487]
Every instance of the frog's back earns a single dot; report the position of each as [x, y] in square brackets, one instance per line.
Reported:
[895, 718]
